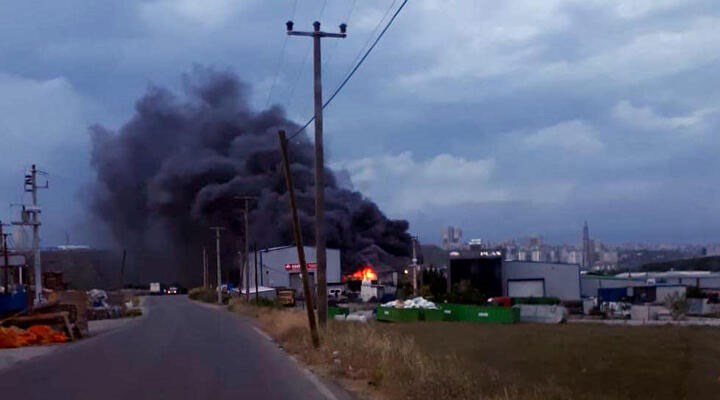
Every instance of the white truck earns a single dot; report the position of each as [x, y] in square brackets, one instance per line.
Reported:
[155, 288]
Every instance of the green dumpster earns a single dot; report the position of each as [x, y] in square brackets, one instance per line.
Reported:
[433, 315]
[333, 311]
[495, 315]
[392, 314]
[452, 312]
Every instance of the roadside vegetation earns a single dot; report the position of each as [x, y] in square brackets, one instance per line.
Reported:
[206, 295]
[523, 361]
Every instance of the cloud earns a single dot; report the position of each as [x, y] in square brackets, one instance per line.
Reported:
[401, 183]
[641, 8]
[179, 13]
[510, 46]
[44, 122]
[37, 116]
[647, 119]
[574, 136]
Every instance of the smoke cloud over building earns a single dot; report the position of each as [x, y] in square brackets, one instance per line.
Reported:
[176, 167]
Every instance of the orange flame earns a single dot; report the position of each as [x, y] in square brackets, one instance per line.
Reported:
[365, 273]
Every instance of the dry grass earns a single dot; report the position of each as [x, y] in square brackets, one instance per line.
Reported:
[583, 361]
[387, 364]
[525, 362]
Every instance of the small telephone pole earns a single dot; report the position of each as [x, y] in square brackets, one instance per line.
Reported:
[122, 269]
[415, 265]
[7, 262]
[320, 256]
[217, 230]
[257, 293]
[297, 233]
[205, 268]
[246, 254]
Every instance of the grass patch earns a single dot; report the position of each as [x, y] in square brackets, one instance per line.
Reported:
[524, 361]
[588, 361]
[384, 362]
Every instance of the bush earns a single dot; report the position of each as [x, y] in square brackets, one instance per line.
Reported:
[678, 306]
[207, 295]
[133, 312]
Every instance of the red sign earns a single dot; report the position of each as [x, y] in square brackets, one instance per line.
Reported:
[296, 267]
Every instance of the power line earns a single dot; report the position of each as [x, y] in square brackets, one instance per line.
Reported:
[305, 59]
[346, 20]
[281, 59]
[372, 34]
[352, 72]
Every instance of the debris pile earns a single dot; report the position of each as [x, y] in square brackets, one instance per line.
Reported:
[35, 335]
[100, 308]
[417, 302]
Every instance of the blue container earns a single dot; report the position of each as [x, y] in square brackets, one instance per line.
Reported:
[12, 302]
[612, 294]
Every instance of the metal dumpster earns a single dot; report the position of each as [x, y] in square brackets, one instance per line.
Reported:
[496, 315]
[433, 315]
[391, 314]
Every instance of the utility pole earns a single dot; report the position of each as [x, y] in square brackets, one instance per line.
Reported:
[7, 261]
[31, 216]
[246, 254]
[122, 269]
[320, 256]
[205, 268]
[217, 230]
[257, 294]
[415, 266]
[297, 233]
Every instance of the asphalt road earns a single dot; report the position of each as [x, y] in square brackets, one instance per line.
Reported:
[179, 350]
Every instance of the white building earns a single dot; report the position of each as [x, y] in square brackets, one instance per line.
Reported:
[279, 267]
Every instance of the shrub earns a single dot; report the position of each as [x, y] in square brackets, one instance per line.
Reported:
[678, 305]
[207, 295]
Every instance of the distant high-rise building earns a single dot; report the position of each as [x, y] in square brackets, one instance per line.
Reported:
[587, 248]
[535, 241]
[452, 238]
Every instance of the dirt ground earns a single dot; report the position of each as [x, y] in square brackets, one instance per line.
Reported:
[584, 361]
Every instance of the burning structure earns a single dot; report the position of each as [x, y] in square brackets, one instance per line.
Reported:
[176, 167]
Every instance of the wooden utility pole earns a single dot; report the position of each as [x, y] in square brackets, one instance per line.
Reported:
[217, 230]
[122, 269]
[257, 295]
[7, 262]
[414, 265]
[320, 256]
[245, 270]
[205, 268]
[297, 233]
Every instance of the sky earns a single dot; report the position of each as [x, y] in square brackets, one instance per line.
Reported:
[507, 119]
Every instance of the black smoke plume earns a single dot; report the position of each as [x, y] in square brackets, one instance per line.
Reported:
[176, 167]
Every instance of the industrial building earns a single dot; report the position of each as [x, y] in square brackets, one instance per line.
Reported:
[487, 272]
[279, 267]
[481, 268]
[539, 279]
[701, 279]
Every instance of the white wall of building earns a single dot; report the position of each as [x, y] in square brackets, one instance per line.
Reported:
[274, 260]
[559, 280]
